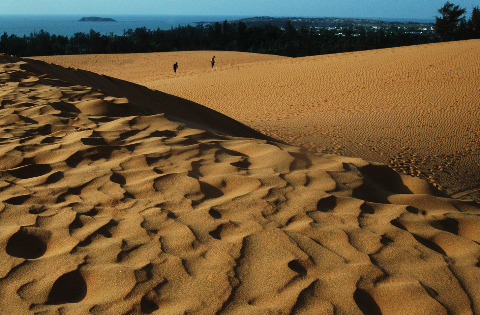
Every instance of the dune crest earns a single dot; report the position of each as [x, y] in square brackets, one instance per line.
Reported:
[109, 209]
[414, 108]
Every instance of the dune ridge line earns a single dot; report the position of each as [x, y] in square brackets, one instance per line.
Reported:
[110, 207]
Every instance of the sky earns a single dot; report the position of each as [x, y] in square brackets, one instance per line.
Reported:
[421, 9]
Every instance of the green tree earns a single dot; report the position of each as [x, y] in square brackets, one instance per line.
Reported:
[475, 22]
[447, 25]
[242, 40]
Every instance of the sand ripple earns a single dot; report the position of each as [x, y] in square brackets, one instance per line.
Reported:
[414, 108]
[109, 210]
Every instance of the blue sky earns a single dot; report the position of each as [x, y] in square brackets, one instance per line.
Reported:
[287, 8]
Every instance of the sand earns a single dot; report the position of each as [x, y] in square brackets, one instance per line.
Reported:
[414, 108]
[117, 199]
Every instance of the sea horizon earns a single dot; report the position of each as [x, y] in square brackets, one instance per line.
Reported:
[68, 24]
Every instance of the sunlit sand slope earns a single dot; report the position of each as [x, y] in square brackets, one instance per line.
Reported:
[148, 68]
[107, 209]
[416, 108]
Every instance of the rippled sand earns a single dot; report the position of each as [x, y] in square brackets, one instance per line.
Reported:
[415, 108]
[116, 199]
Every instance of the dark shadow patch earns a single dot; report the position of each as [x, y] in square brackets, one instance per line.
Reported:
[104, 119]
[155, 158]
[28, 243]
[307, 181]
[216, 233]
[429, 244]
[290, 221]
[37, 209]
[210, 191]
[412, 210]
[448, 225]
[83, 243]
[94, 141]
[163, 134]
[107, 229]
[171, 215]
[54, 178]
[297, 267]
[214, 214]
[44, 130]
[366, 303]
[367, 208]
[76, 224]
[127, 195]
[347, 167]
[385, 240]
[69, 288]
[384, 276]
[25, 161]
[91, 213]
[231, 152]
[127, 134]
[186, 266]
[71, 191]
[434, 294]
[304, 298]
[65, 107]
[300, 162]
[242, 164]
[147, 306]
[383, 177]
[131, 147]
[30, 171]
[158, 288]
[195, 171]
[187, 141]
[125, 253]
[50, 140]
[19, 200]
[27, 120]
[327, 204]
[92, 153]
[118, 179]
[396, 223]
[379, 182]
[144, 274]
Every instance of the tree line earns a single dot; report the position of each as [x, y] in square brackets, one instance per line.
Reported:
[236, 36]
[453, 25]
[267, 39]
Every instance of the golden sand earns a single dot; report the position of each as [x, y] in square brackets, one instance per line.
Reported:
[414, 108]
[117, 199]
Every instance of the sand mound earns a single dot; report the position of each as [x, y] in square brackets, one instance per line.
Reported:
[140, 213]
[414, 108]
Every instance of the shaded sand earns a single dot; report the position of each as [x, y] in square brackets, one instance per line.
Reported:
[415, 108]
[110, 206]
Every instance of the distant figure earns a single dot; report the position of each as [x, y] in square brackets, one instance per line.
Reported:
[175, 67]
[213, 61]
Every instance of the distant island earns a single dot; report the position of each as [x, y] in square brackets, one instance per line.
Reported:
[96, 19]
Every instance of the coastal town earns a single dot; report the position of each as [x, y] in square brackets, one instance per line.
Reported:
[342, 26]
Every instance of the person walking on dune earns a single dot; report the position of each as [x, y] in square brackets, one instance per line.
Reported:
[213, 61]
[175, 67]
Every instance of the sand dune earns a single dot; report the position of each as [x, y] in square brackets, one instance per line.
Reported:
[110, 206]
[414, 108]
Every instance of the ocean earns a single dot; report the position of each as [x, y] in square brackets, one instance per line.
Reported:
[68, 25]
